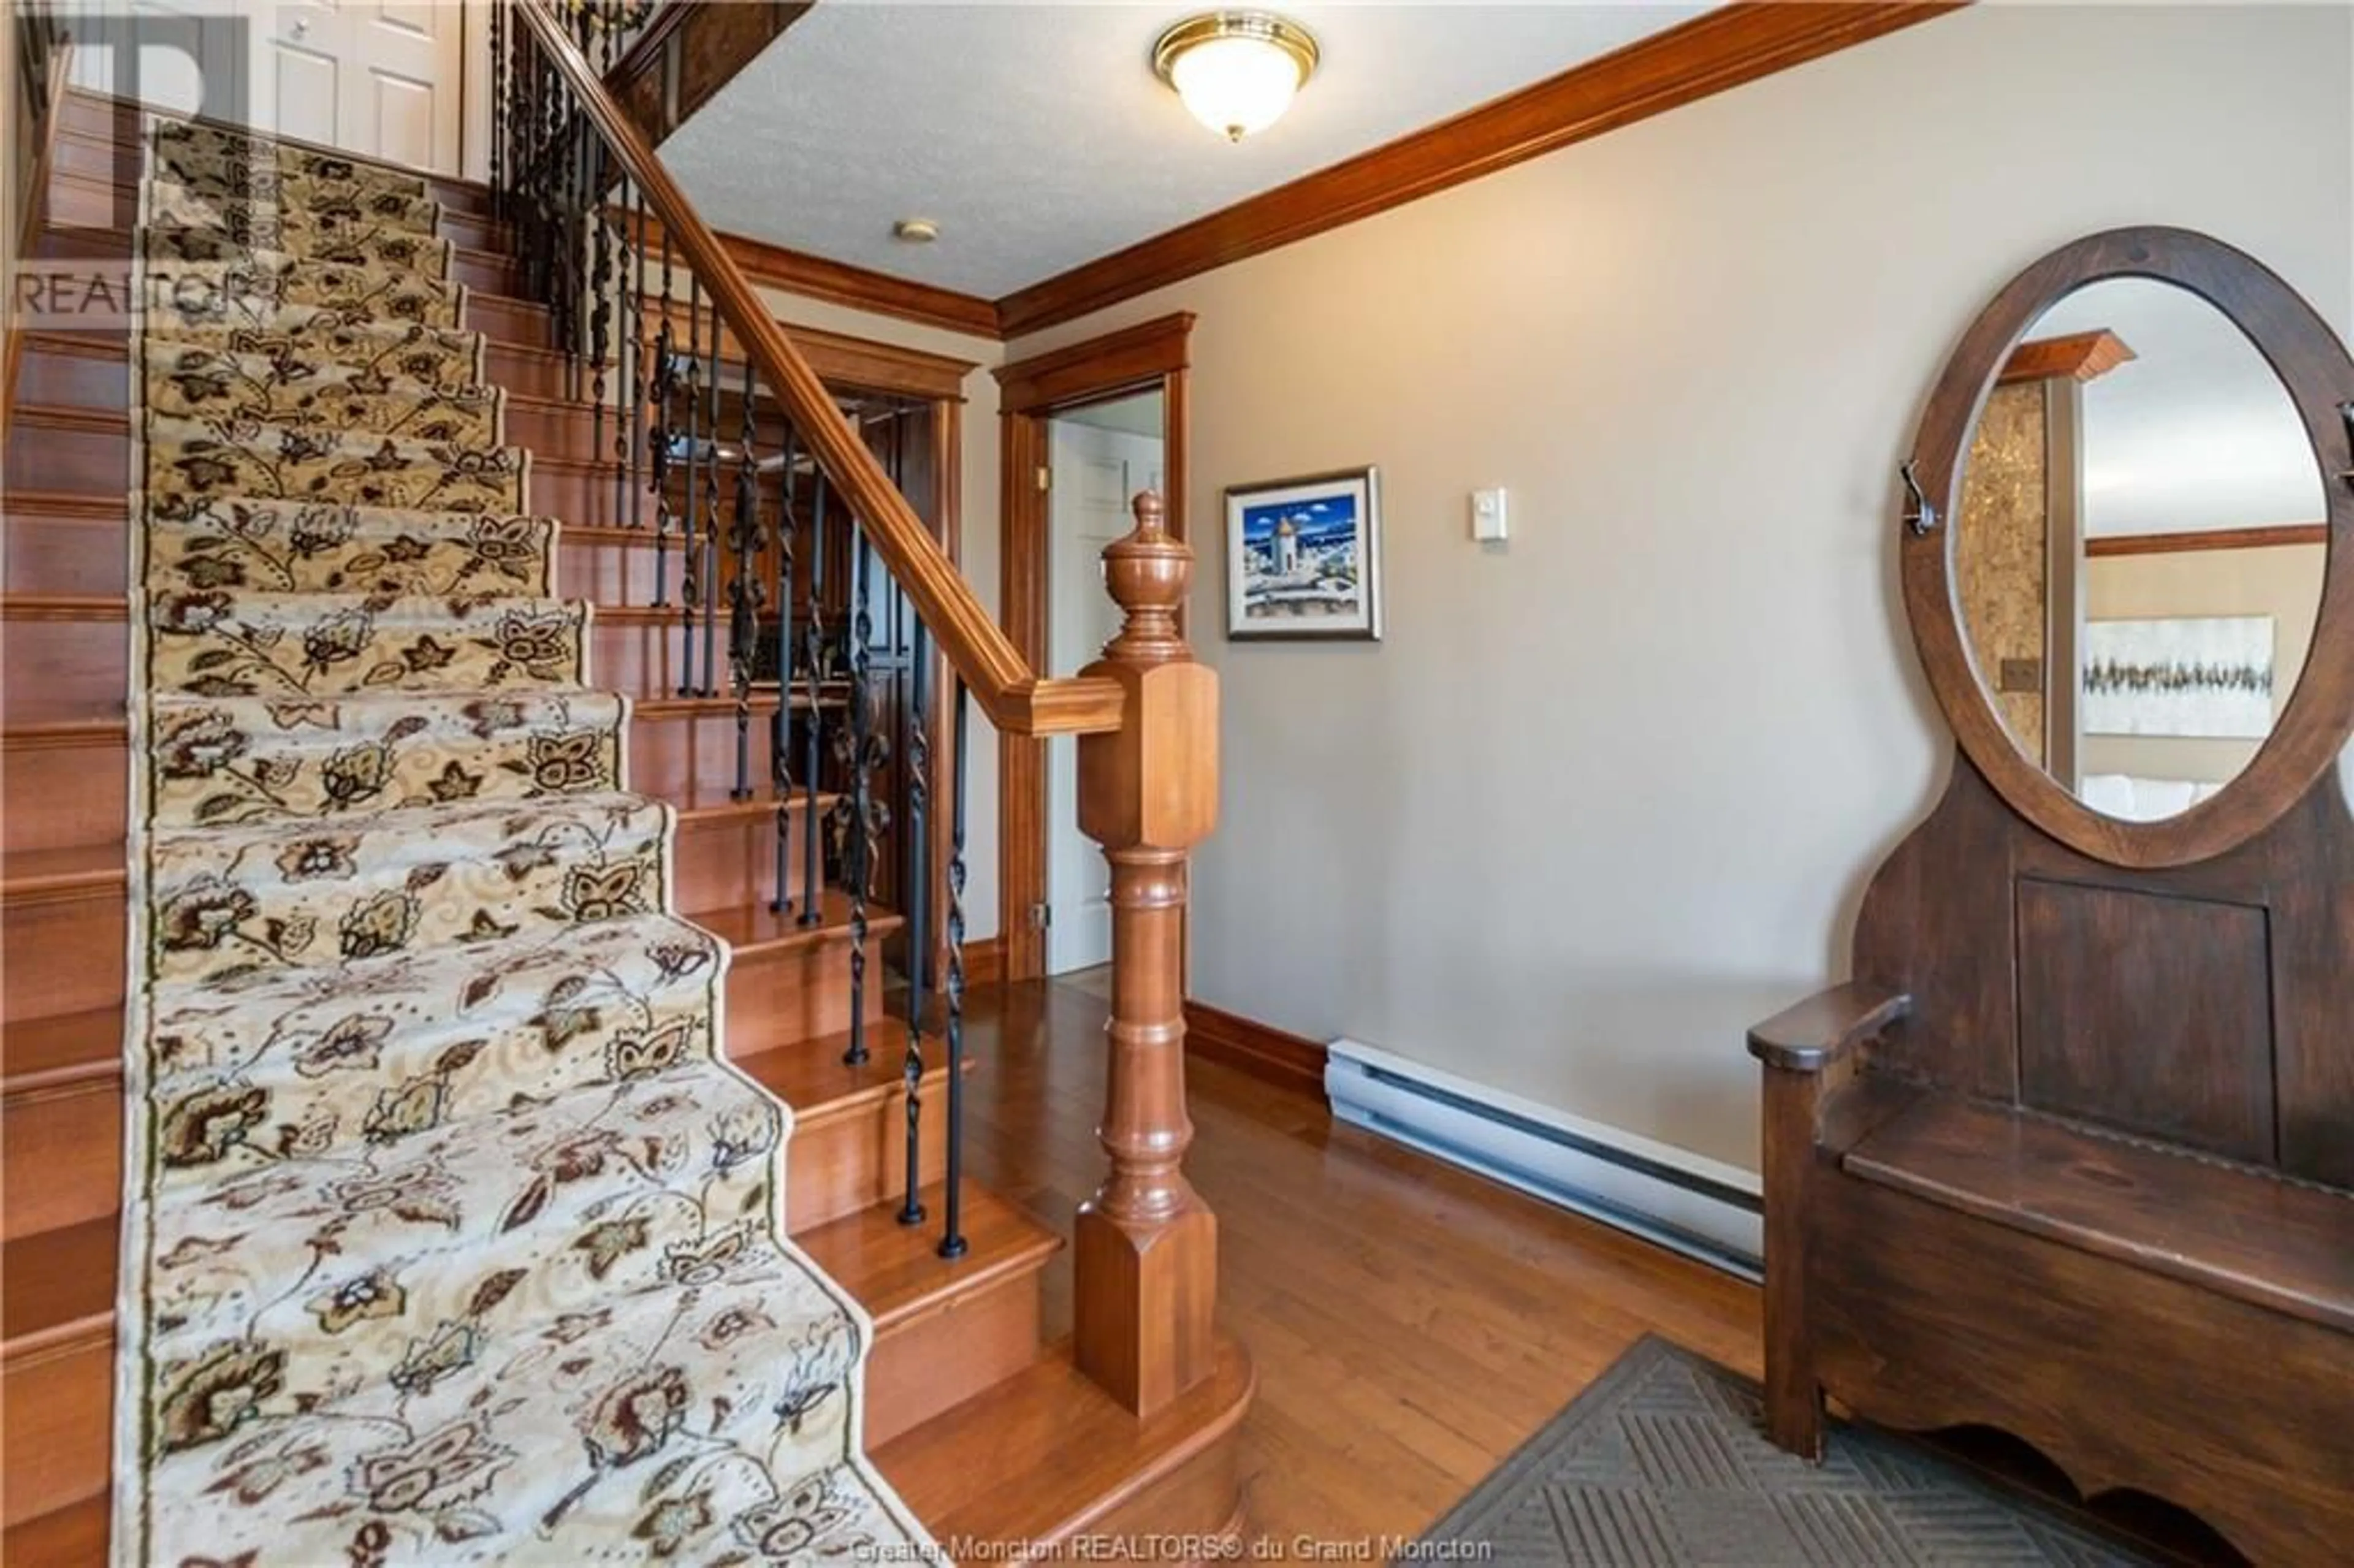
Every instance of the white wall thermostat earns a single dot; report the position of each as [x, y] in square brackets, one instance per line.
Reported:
[1487, 522]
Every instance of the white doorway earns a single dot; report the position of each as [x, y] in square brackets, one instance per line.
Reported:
[372, 77]
[1100, 457]
[378, 77]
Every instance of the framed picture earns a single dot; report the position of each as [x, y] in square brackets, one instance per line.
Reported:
[2199, 676]
[1304, 557]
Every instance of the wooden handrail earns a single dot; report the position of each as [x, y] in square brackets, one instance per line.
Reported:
[1017, 700]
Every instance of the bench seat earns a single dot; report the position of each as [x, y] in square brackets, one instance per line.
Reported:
[2244, 1233]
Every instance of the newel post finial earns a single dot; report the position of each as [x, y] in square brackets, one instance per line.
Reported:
[1147, 573]
[1145, 1252]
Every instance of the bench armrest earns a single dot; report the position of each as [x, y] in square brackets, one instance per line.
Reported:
[1824, 1028]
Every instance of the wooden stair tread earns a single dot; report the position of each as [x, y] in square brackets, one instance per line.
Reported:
[757, 928]
[896, 1271]
[810, 1076]
[72, 868]
[70, 1535]
[712, 803]
[94, 607]
[58, 1277]
[38, 1052]
[2242, 1232]
[1044, 1453]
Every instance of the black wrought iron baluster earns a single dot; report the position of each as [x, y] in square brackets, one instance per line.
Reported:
[917, 874]
[690, 555]
[600, 307]
[501, 95]
[712, 539]
[743, 597]
[658, 431]
[859, 817]
[815, 661]
[952, 1242]
[780, 723]
[633, 350]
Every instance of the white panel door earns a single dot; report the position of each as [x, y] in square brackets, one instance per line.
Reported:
[379, 79]
[1095, 474]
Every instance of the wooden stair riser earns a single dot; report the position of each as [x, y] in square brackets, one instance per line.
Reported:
[62, 952]
[55, 1446]
[91, 130]
[944, 1358]
[69, 788]
[67, 669]
[88, 220]
[63, 789]
[851, 1157]
[783, 995]
[62, 1154]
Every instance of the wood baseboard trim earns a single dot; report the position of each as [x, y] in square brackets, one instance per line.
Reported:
[984, 962]
[1287, 1060]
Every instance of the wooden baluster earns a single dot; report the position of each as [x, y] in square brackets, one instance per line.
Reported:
[1146, 1257]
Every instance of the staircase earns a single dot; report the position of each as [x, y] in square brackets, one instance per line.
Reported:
[985, 1433]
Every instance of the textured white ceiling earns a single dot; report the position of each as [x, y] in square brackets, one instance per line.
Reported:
[1038, 138]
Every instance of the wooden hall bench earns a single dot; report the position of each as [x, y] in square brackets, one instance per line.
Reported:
[2073, 1155]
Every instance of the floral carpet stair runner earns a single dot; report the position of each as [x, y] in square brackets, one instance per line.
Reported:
[448, 1236]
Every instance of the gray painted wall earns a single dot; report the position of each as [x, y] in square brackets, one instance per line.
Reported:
[1607, 796]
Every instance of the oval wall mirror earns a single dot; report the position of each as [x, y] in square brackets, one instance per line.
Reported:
[2126, 587]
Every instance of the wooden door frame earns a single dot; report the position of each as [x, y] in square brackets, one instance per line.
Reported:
[1150, 356]
[936, 381]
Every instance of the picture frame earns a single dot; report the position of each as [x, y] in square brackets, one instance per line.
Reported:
[1303, 558]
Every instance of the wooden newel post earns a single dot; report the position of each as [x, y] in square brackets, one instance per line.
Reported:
[1146, 1257]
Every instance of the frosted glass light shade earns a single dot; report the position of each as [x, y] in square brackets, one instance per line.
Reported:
[1236, 71]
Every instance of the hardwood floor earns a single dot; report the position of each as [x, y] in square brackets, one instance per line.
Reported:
[1412, 1324]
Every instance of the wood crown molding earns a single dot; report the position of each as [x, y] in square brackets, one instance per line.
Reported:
[1722, 49]
[859, 287]
[2079, 356]
[1273, 1055]
[1145, 352]
[2257, 539]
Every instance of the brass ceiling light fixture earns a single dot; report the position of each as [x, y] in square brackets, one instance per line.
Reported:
[1237, 70]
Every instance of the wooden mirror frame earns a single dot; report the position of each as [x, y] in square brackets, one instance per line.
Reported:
[2314, 367]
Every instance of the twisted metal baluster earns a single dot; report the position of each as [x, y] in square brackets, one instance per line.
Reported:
[952, 1242]
[780, 723]
[601, 311]
[918, 897]
[658, 437]
[690, 555]
[569, 244]
[502, 94]
[711, 534]
[816, 659]
[628, 439]
[743, 598]
[859, 817]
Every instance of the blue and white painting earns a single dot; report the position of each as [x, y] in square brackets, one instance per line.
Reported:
[1301, 558]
